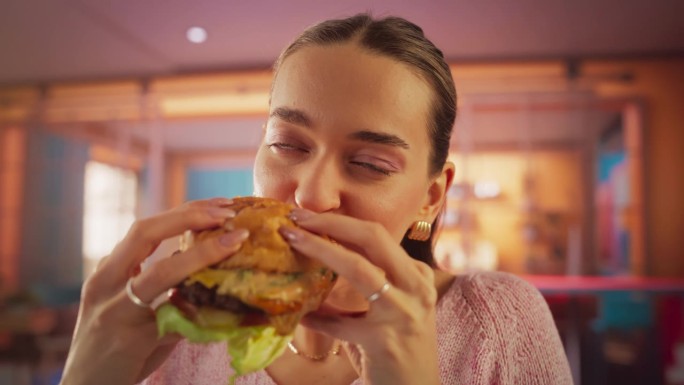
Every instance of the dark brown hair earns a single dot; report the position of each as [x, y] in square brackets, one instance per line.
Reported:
[406, 43]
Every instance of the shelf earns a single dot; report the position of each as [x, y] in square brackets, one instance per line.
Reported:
[548, 284]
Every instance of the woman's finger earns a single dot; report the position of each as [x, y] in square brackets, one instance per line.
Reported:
[365, 276]
[369, 238]
[402, 310]
[146, 234]
[216, 201]
[168, 272]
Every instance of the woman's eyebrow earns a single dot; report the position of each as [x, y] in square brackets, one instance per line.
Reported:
[298, 117]
[291, 115]
[379, 138]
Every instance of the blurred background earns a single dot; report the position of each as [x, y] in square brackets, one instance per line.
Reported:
[568, 145]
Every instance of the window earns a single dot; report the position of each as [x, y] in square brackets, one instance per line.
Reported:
[109, 210]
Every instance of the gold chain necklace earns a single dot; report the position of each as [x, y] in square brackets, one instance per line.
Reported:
[335, 350]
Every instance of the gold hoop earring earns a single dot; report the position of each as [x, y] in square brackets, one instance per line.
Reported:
[420, 231]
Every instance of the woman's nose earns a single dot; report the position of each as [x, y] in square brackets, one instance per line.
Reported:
[318, 188]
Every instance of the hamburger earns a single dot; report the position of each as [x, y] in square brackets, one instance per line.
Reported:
[253, 299]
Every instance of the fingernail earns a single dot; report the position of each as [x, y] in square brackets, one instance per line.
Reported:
[221, 201]
[289, 233]
[301, 214]
[219, 212]
[233, 237]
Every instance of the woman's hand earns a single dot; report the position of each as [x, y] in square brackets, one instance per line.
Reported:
[396, 338]
[116, 341]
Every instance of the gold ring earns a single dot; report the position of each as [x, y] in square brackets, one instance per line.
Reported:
[375, 296]
[134, 298]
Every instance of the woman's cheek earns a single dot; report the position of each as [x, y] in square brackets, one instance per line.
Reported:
[271, 179]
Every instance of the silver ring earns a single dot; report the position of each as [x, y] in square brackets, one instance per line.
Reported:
[134, 298]
[375, 296]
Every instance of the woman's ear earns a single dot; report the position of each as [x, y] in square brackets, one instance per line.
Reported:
[437, 192]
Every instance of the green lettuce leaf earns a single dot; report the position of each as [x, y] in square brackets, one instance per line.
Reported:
[251, 348]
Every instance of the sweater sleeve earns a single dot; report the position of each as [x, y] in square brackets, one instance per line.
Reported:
[523, 338]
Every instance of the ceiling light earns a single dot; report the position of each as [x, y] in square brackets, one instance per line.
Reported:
[196, 35]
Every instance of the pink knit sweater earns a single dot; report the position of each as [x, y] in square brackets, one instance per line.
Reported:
[493, 328]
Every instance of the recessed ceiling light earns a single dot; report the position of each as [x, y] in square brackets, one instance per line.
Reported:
[196, 35]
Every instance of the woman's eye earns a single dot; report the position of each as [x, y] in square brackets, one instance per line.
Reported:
[287, 147]
[372, 167]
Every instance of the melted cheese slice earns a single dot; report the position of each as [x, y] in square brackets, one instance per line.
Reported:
[257, 288]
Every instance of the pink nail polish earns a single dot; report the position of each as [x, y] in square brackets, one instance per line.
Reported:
[234, 237]
[219, 212]
[288, 233]
[221, 201]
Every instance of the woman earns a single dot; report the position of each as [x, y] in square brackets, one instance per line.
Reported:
[357, 137]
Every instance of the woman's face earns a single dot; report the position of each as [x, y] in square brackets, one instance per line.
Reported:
[348, 133]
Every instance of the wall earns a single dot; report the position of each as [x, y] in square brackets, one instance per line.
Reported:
[51, 236]
[556, 190]
[660, 84]
[203, 183]
[12, 164]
